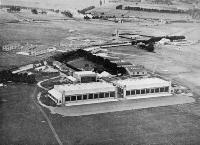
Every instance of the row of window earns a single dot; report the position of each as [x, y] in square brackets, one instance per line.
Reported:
[147, 91]
[90, 96]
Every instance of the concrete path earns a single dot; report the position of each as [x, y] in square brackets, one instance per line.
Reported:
[120, 105]
[39, 83]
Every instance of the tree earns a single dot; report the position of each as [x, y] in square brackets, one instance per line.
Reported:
[119, 7]
[67, 13]
[14, 9]
[34, 11]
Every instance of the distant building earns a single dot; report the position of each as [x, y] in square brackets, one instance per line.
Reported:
[40, 50]
[85, 76]
[57, 64]
[11, 46]
[136, 70]
[23, 68]
[123, 64]
[41, 68]
[62, 67]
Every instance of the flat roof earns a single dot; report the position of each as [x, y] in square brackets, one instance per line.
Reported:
[82, 73]
[139, 83]
[135, 68]
[55, 93]
[94, 87]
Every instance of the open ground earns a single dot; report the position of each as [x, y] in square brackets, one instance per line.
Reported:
[178, 124]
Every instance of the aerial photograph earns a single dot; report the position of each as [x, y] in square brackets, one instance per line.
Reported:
[99, 72]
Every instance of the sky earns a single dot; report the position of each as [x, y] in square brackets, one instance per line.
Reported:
[56, 4]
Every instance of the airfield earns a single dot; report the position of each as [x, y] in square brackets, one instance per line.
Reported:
[25, 121]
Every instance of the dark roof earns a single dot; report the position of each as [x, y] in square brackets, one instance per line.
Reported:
[124, 63]
[135, 68]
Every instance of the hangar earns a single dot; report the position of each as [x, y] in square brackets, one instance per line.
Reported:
[83, 93]
[136, 88]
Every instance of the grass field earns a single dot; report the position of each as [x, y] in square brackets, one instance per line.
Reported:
[81, 62]
[8, 60]
[21, 121]
[160, 126]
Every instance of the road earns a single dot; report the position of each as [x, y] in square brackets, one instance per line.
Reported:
[33, 96]
[39, 83]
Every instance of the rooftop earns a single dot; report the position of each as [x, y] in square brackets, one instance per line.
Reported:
[138, 83]
[135, 68]
[82, 73]
[85, 88]
[124, 63]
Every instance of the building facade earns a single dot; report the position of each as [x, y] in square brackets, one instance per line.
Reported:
[143, 88]
[85, 76]
[82, 93]
[85, 93]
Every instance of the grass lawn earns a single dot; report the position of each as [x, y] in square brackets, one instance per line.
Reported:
[21, 122]
[160, 126]
[81, 62]
[8, 60]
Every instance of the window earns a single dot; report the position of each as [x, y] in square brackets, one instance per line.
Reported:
[120, 90]
[106, 95]
[147, 91]
[137, 91]
[112, 94]
[90, 96]
[138, 73]
[127, 93]
[132, 92]
[162, 89]
[73, 98]
[79, 97]
[101, 95]
[67, 98]
[84, 97]
[143, 91]
[157, 90]
[166, 89]
[152, 90]
[96, 96]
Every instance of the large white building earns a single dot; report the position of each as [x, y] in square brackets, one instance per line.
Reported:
[83, 93]
[96, 92]
[136, 88]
